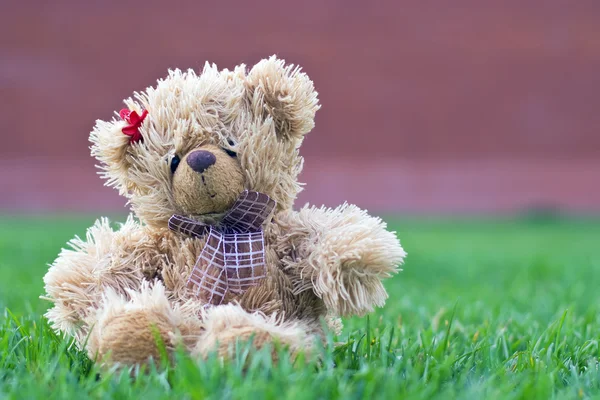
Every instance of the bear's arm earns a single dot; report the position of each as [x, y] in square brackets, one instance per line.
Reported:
[77, 279]
[342, 254]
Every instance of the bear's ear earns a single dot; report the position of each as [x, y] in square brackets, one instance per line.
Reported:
[111, 147]
[285, 94]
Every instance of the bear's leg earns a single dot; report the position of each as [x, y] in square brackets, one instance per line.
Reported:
[129, 331]
[227, 325]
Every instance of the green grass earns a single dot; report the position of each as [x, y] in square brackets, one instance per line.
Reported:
[483, 309]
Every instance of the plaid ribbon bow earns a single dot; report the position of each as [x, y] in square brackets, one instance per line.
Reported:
[233, 258]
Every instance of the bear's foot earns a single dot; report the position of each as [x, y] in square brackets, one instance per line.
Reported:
[136, 330]
[228, 326]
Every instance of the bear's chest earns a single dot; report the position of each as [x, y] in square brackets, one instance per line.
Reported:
[214, 268]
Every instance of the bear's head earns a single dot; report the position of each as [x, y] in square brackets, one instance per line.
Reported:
[194, 142]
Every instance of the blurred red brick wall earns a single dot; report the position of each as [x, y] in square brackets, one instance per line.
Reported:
[458, 106]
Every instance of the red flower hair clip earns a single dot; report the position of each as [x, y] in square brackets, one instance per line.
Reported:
[135, 121]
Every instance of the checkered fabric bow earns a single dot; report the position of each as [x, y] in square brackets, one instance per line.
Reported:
[233, 258]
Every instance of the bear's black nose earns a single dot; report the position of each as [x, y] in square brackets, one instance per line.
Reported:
[199, 160]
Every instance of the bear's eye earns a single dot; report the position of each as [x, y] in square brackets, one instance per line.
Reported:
[230, 152]
[174, 163]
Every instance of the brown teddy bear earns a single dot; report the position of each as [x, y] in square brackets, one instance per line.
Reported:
[214, 252]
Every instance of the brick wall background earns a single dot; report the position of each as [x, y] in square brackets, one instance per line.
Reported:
[463, 106]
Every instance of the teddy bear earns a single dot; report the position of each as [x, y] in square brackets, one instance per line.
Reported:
[213, 253]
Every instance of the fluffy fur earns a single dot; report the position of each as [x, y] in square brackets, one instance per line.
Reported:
[119, 288]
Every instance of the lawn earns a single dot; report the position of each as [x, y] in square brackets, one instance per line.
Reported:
[483, 309]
